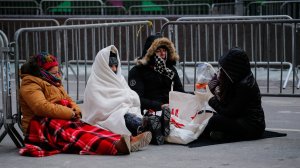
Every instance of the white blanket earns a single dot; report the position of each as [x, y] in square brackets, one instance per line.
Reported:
[107, 96]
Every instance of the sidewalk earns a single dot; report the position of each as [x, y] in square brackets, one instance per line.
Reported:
[282, 115]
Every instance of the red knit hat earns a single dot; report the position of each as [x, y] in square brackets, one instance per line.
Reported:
[46, 60]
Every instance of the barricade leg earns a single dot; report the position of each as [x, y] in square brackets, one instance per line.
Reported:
[3, 135]
[14, 135]
[297, 76]
[6, 113]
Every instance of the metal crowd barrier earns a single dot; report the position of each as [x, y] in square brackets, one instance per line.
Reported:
[20, 10]
[154, 7]
[141, 32]
[291, 8]
[86, 10]
[77, 42]
[171, 9]
[225, 8]
[270, 17]
[3, 43]
[269, 43]
[7, 119]
[67, 6]
[128, 3]
[10, 25]
[19, 7]
[135, 48]
[274, 8]
[298, 76]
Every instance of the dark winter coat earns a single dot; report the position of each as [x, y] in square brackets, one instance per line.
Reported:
[152, 87]
[244, 99]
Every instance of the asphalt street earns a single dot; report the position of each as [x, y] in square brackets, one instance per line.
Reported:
[282, 115]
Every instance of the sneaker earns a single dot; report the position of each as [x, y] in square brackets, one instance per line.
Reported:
[140, 141]
[165, 120]
[123, 145]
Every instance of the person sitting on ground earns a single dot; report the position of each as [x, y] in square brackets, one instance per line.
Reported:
[153, 77]
[236, 99]
[108, 100]
[51, 119]
[155, 72]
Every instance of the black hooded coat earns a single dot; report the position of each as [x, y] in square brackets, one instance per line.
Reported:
[243, 101]
[152, 87]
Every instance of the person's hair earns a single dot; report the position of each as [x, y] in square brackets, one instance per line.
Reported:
[149, 42]
[31, 67]
[43, 60]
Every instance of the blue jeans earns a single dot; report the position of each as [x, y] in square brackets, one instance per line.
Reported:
[132, 123]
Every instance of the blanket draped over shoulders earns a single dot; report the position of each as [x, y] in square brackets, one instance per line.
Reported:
[107, 97]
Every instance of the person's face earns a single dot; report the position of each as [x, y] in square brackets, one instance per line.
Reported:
[222, 74]
[114, 68]
[219, 73]
[161, 52]
[55, 71]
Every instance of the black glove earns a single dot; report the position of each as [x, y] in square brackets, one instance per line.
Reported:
[213, 83]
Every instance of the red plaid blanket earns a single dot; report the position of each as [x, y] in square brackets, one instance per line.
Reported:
[47, 137]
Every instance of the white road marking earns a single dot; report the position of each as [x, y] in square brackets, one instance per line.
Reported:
[289, 112]
[283, 129]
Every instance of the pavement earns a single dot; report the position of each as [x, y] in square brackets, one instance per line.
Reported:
[282, 115]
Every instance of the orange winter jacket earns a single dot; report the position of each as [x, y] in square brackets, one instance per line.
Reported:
[39, 98]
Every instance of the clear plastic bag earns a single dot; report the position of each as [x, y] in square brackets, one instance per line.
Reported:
[204, 74]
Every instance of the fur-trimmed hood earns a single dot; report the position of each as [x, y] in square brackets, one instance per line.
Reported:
[172, 56]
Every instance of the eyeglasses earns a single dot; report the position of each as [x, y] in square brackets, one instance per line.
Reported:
[55, 73]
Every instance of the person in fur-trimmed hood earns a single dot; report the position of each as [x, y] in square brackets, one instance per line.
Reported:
[152, 79]
[155, 72]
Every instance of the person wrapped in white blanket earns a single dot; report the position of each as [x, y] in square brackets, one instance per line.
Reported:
[108, 101]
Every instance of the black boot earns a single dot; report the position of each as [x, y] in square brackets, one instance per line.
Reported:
[165, 120]
[152, 123]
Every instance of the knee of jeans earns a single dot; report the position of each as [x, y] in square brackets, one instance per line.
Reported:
[129, 116]
[132, 118]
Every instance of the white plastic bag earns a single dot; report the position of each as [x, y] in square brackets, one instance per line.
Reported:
[188, 117]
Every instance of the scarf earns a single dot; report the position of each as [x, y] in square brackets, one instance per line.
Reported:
[160, 67]
[50, 78]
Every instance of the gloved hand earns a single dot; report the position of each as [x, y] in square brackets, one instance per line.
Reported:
[77, 110]
[77, 113]
[164, 106]
[213, 83]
